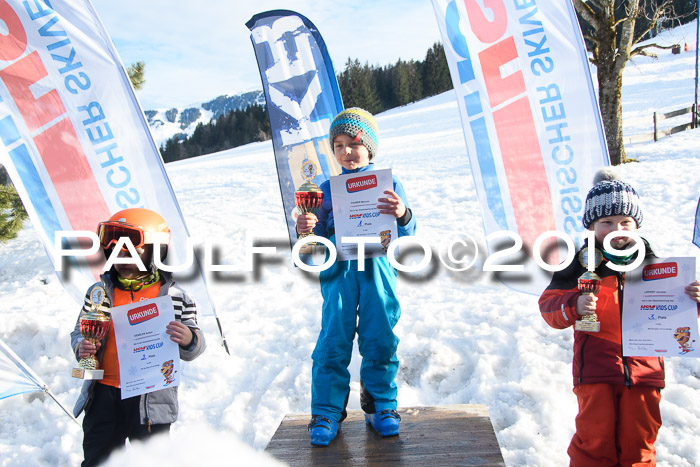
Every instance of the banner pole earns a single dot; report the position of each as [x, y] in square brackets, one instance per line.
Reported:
[221, 333]
[48, 391]
[697, 40]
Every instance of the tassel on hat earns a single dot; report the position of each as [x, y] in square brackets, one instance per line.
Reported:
[610, 196]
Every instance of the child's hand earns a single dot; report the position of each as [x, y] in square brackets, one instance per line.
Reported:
[87, 348]
[693, 291]
[179, 333]
[306, 223]
[393, 204]
[585, 304]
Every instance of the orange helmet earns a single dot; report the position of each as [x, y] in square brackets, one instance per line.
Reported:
[142, 226]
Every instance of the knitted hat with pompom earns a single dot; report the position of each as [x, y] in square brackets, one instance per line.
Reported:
[611, 197]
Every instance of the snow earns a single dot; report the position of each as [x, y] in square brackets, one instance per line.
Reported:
[465, 337]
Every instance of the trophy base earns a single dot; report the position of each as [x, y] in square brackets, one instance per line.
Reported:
[87, 374]
[587, 326]
[312, 249]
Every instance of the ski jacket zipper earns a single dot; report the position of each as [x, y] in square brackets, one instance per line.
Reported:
[582, 353]
[625, 367]
[620, 298]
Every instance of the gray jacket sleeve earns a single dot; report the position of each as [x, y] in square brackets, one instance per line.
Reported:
[186, 312]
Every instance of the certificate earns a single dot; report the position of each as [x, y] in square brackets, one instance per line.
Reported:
[148, 359]
[355, 212]
[658, 318]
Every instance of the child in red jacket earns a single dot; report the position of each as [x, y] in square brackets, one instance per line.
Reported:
[618, 396]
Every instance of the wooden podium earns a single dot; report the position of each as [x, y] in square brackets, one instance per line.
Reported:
[444, 435]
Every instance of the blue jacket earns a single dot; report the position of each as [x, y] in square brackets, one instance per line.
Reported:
[326, 224]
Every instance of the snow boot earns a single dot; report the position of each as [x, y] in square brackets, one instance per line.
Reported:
[322, 430]
[386, 422]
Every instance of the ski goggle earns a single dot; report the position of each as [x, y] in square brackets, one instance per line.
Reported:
[110, 232]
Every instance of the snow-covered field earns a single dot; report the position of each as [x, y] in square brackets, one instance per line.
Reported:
[465, 337]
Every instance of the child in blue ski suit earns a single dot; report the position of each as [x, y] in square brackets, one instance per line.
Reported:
[362, 302]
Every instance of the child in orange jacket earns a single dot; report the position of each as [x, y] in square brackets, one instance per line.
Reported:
[618, 396]
[110, 420]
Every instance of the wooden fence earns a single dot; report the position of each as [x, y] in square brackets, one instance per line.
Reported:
[660, 133]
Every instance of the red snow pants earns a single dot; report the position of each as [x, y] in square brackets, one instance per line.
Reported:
[616, 425]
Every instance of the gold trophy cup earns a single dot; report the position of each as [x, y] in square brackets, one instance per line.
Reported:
[309, 197]
[589, 284]
[94, 326]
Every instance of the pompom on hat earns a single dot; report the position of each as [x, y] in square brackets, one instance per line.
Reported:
[359, 125]
[611, 197]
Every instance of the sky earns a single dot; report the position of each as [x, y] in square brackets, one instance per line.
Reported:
[195, 51]
[465, 337]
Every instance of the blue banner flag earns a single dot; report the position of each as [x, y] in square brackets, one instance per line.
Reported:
[696, 233]
[302, 97]
[17, 378]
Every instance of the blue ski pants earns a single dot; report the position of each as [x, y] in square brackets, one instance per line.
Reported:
[362, 302]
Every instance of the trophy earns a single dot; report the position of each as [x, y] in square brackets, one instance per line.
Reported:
[309, 197]
[589, 284]
[94, 326]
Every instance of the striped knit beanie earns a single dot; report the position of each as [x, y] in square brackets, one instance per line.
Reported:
[611, 197]
[359, 125]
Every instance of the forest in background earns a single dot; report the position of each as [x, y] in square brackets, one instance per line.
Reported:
[374, 88]
[378, 88]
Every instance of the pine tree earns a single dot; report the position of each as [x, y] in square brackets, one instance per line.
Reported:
[136, 74]
[369, 97]
[685, 10]
[347, 83]
[12, 213]
[400, 83]
[358, 87]
[435, 71]
[236, 128]
[415, 81]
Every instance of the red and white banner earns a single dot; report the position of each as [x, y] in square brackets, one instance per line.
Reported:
[72, 134]
[530, 116]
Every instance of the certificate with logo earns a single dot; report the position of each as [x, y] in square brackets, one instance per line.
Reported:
[355, 212]
[148, 359]
[658, 318]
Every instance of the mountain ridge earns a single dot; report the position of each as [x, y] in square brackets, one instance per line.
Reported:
[166, 123]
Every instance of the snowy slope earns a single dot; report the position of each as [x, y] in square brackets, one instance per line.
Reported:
[465, 338]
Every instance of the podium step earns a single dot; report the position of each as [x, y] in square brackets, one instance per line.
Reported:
[444, 435]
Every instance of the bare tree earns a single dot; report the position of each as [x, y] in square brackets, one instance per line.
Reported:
[613, 40]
